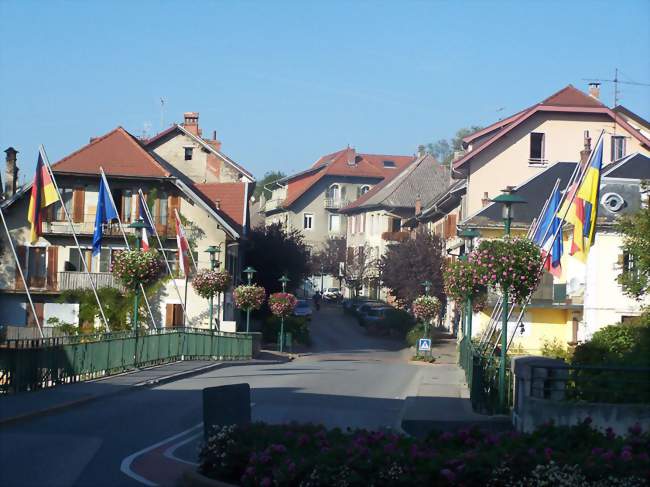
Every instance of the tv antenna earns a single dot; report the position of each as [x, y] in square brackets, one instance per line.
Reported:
[616, 82]
[162, 113]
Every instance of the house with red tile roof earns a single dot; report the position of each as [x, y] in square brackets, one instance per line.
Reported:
[311, 200]
[214, 207]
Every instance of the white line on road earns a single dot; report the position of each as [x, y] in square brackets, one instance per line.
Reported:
[125, 466]
[169, 452]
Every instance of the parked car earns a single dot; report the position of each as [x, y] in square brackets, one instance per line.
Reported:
[373, 314]
[303, 309]
[363, 308]
[332, 294]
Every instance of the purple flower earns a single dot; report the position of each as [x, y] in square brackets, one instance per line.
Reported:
[278, 448]
[635, 430]
[448, 474]
[548, 452]
[596, 451]
[626, 455]
[608, 456]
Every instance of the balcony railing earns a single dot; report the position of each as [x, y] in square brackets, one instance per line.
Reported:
[545, 293]
[87, 227]
[335, 203]
[395, 236]
[72, 281]
[273, 204]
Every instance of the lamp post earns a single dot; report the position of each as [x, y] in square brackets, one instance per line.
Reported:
[284, 280]
[249, 271]
[213, 251]
[137, 225]
[321, 278]
[468, 235]
[508, 198]
[427, 287]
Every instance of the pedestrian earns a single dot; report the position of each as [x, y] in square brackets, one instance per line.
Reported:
[317, 299]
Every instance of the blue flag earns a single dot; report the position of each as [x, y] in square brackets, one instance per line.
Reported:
[549, 236]
[105, 213]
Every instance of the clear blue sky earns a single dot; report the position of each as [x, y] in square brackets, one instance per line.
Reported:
[285, 82]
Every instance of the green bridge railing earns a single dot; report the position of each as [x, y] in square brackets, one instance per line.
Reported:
[27, 365]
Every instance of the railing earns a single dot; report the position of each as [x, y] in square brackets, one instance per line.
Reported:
[69, 280]
[335, 203]
[27, 365]
[545, 293]
[395, 236]
[87, 227]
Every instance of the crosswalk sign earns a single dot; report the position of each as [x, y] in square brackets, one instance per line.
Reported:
[424, 344]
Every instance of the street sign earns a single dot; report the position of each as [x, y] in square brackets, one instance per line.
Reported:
[226, 405]
[424, 344]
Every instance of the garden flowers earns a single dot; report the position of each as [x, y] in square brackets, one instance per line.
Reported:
[249, 296]
[282, 304]
[208, 283]
[426, 308]
[135, 267]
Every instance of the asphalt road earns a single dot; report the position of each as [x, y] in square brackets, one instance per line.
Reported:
[346, 379]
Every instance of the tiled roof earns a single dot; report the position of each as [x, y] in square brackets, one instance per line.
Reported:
[231, 200]
[634, 166]
[118, 153]
[345, 163]
[568, 99]
[424, 178]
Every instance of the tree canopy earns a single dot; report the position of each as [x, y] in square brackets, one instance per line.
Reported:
[443, 149]
[635, 274]
[406, 265]
[268, 177]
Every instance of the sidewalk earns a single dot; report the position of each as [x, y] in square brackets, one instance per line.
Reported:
[26, 405]
[442, 401]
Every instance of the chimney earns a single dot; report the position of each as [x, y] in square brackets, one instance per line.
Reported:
[216, 144]
[486, 199]
[191, 123]
[421, 151]
[217, 204]
[418, 205]
[586, 152]
[594, 90]
[352, 157]
[11, 175]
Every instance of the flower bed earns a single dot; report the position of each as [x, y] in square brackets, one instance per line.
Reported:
[208, 283]
[249, 296]
[309, 455]
[135, 267]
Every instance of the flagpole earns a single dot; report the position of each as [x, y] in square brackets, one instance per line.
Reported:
[46, 161]
[20, 271]
[189, 250]
[126, 241]
[162, 249]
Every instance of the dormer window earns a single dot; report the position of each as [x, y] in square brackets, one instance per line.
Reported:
[188, 153]
[363, 190]
[390, 164]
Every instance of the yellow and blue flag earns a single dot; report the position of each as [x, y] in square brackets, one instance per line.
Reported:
[584, 209]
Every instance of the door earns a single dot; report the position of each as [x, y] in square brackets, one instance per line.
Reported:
[30, 315]
[36, 267]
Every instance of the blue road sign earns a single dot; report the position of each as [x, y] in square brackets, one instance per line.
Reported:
[424, 344]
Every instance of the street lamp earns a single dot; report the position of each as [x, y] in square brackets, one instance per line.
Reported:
[427, 287]
[322, 271]
[468, 235]
[249, 271]
[508, 198]
[137, 225]
[213, 251]
[284, 280]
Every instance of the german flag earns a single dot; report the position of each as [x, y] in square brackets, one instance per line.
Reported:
[43, 194]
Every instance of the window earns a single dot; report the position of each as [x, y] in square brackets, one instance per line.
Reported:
[58, 215]
[334, 223]
[618, 147]
[75, 263]
[536, 148]
[629, 265]
[308, 221]
[161, 214]
[390, 164]
[104, 260]
[36, 266]
[361, 190]
[127, 200]
[334, 192]
[188, 153]
[395, 225]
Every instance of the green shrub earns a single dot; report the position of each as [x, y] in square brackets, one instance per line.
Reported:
[297, 326]
[396, 323]
[414, 334]
[616, 345]
[555, 349]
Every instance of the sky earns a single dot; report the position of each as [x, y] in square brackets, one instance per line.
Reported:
[283, 83]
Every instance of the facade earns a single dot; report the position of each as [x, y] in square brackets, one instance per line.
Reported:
[378, 218]
[216, 212]
[311, 201]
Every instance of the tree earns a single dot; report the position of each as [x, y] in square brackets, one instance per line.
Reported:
[635, 275]
[268, 177]
[274, 252]
[406, 265]
[443, 150]
[360, 268]
[329, 258]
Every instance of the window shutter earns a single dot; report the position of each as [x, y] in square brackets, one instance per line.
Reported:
[452, 226]
[78, 202]
[52, 267]
[169, 315]
[174, 205]
[21, 251]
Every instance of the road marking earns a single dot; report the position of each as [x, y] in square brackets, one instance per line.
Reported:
[169, 452]
[125, 466]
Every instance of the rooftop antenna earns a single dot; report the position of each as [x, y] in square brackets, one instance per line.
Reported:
[162, 113]
[616, 82]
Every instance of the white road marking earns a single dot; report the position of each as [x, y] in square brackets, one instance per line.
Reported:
[169, 452]
[125, 466]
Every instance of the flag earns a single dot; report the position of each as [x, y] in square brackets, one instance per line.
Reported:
[549, 235]
[105, 213]
[584, 209]
[143, 215]
[183, 245]
[43, 194]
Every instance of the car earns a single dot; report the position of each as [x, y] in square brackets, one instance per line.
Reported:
[375, 313]
[332, 294]
[303, 309]
[364, 307]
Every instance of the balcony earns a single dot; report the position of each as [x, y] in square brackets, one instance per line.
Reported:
[545, 294]
[395, 236]
[273, 204]
[87, 227]
[335, 203]
[72, 281]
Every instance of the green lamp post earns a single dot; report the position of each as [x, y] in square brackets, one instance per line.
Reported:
[284, 280]
[213, 251]
[137, 225]
[427, 287]
[249, 271]
[468, 235]
[508, 198]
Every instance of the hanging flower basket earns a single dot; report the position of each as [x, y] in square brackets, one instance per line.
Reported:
[461, 281]
[208, 283]
[510, 264]
[135, 267]
[249, 296]
[426, 308]
[282, 304]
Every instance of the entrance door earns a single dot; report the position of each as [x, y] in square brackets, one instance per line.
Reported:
[37, 269]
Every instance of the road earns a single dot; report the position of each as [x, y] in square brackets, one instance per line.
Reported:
[346, 379]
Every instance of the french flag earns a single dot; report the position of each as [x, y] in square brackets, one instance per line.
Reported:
[549, 236]
[144, 215]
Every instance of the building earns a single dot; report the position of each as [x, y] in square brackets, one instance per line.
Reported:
[215, 206]
[377, 218]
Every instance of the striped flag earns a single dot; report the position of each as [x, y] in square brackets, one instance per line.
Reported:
[183, 245]
[43, 195]
[144, 216]
[549, 236]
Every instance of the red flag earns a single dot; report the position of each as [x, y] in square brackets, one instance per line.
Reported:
[183, 245]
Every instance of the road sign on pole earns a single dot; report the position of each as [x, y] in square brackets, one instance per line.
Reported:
[424, 344]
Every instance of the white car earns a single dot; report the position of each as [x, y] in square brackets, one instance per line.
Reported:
[332, 294]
